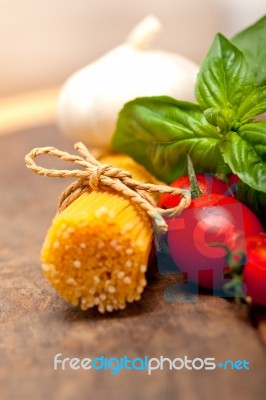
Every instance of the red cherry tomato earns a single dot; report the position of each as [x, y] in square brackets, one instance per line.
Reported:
[209, 220]
[207, 183]
[254, 273]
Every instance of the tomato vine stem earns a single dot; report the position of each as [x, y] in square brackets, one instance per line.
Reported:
[195, 190]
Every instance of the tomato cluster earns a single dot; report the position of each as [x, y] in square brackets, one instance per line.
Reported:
[215, 225]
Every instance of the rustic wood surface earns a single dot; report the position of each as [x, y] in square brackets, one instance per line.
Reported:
[36, 324]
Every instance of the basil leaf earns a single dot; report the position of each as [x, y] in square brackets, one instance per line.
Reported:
[222, 118]
[254, 104]
[158, 132]
[245, 153]
[225, 77]
[255, 133]
[252, 42]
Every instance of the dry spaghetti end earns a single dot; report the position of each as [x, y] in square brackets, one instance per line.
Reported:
[97, 249]
[96, 252]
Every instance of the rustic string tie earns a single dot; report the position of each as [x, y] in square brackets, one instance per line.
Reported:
[96, 175]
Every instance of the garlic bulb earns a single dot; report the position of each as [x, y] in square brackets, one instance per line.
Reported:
[92, 97]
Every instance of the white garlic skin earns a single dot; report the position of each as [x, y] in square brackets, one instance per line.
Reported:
[91, 98]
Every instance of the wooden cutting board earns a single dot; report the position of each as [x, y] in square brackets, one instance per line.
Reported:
[36, 324]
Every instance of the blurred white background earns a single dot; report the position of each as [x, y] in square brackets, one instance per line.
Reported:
[43, 41]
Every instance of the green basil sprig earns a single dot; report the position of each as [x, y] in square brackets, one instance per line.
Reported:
[219, 133]
[252, 42]
[158, 132]
[225, 77]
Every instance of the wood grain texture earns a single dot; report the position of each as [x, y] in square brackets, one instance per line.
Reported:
[36, 324]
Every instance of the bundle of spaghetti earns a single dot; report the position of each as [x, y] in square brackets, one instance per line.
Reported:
[96, 251]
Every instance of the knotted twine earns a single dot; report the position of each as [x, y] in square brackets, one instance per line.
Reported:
[96, 175]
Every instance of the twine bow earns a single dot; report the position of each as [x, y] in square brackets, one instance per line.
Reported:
[96, 175]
